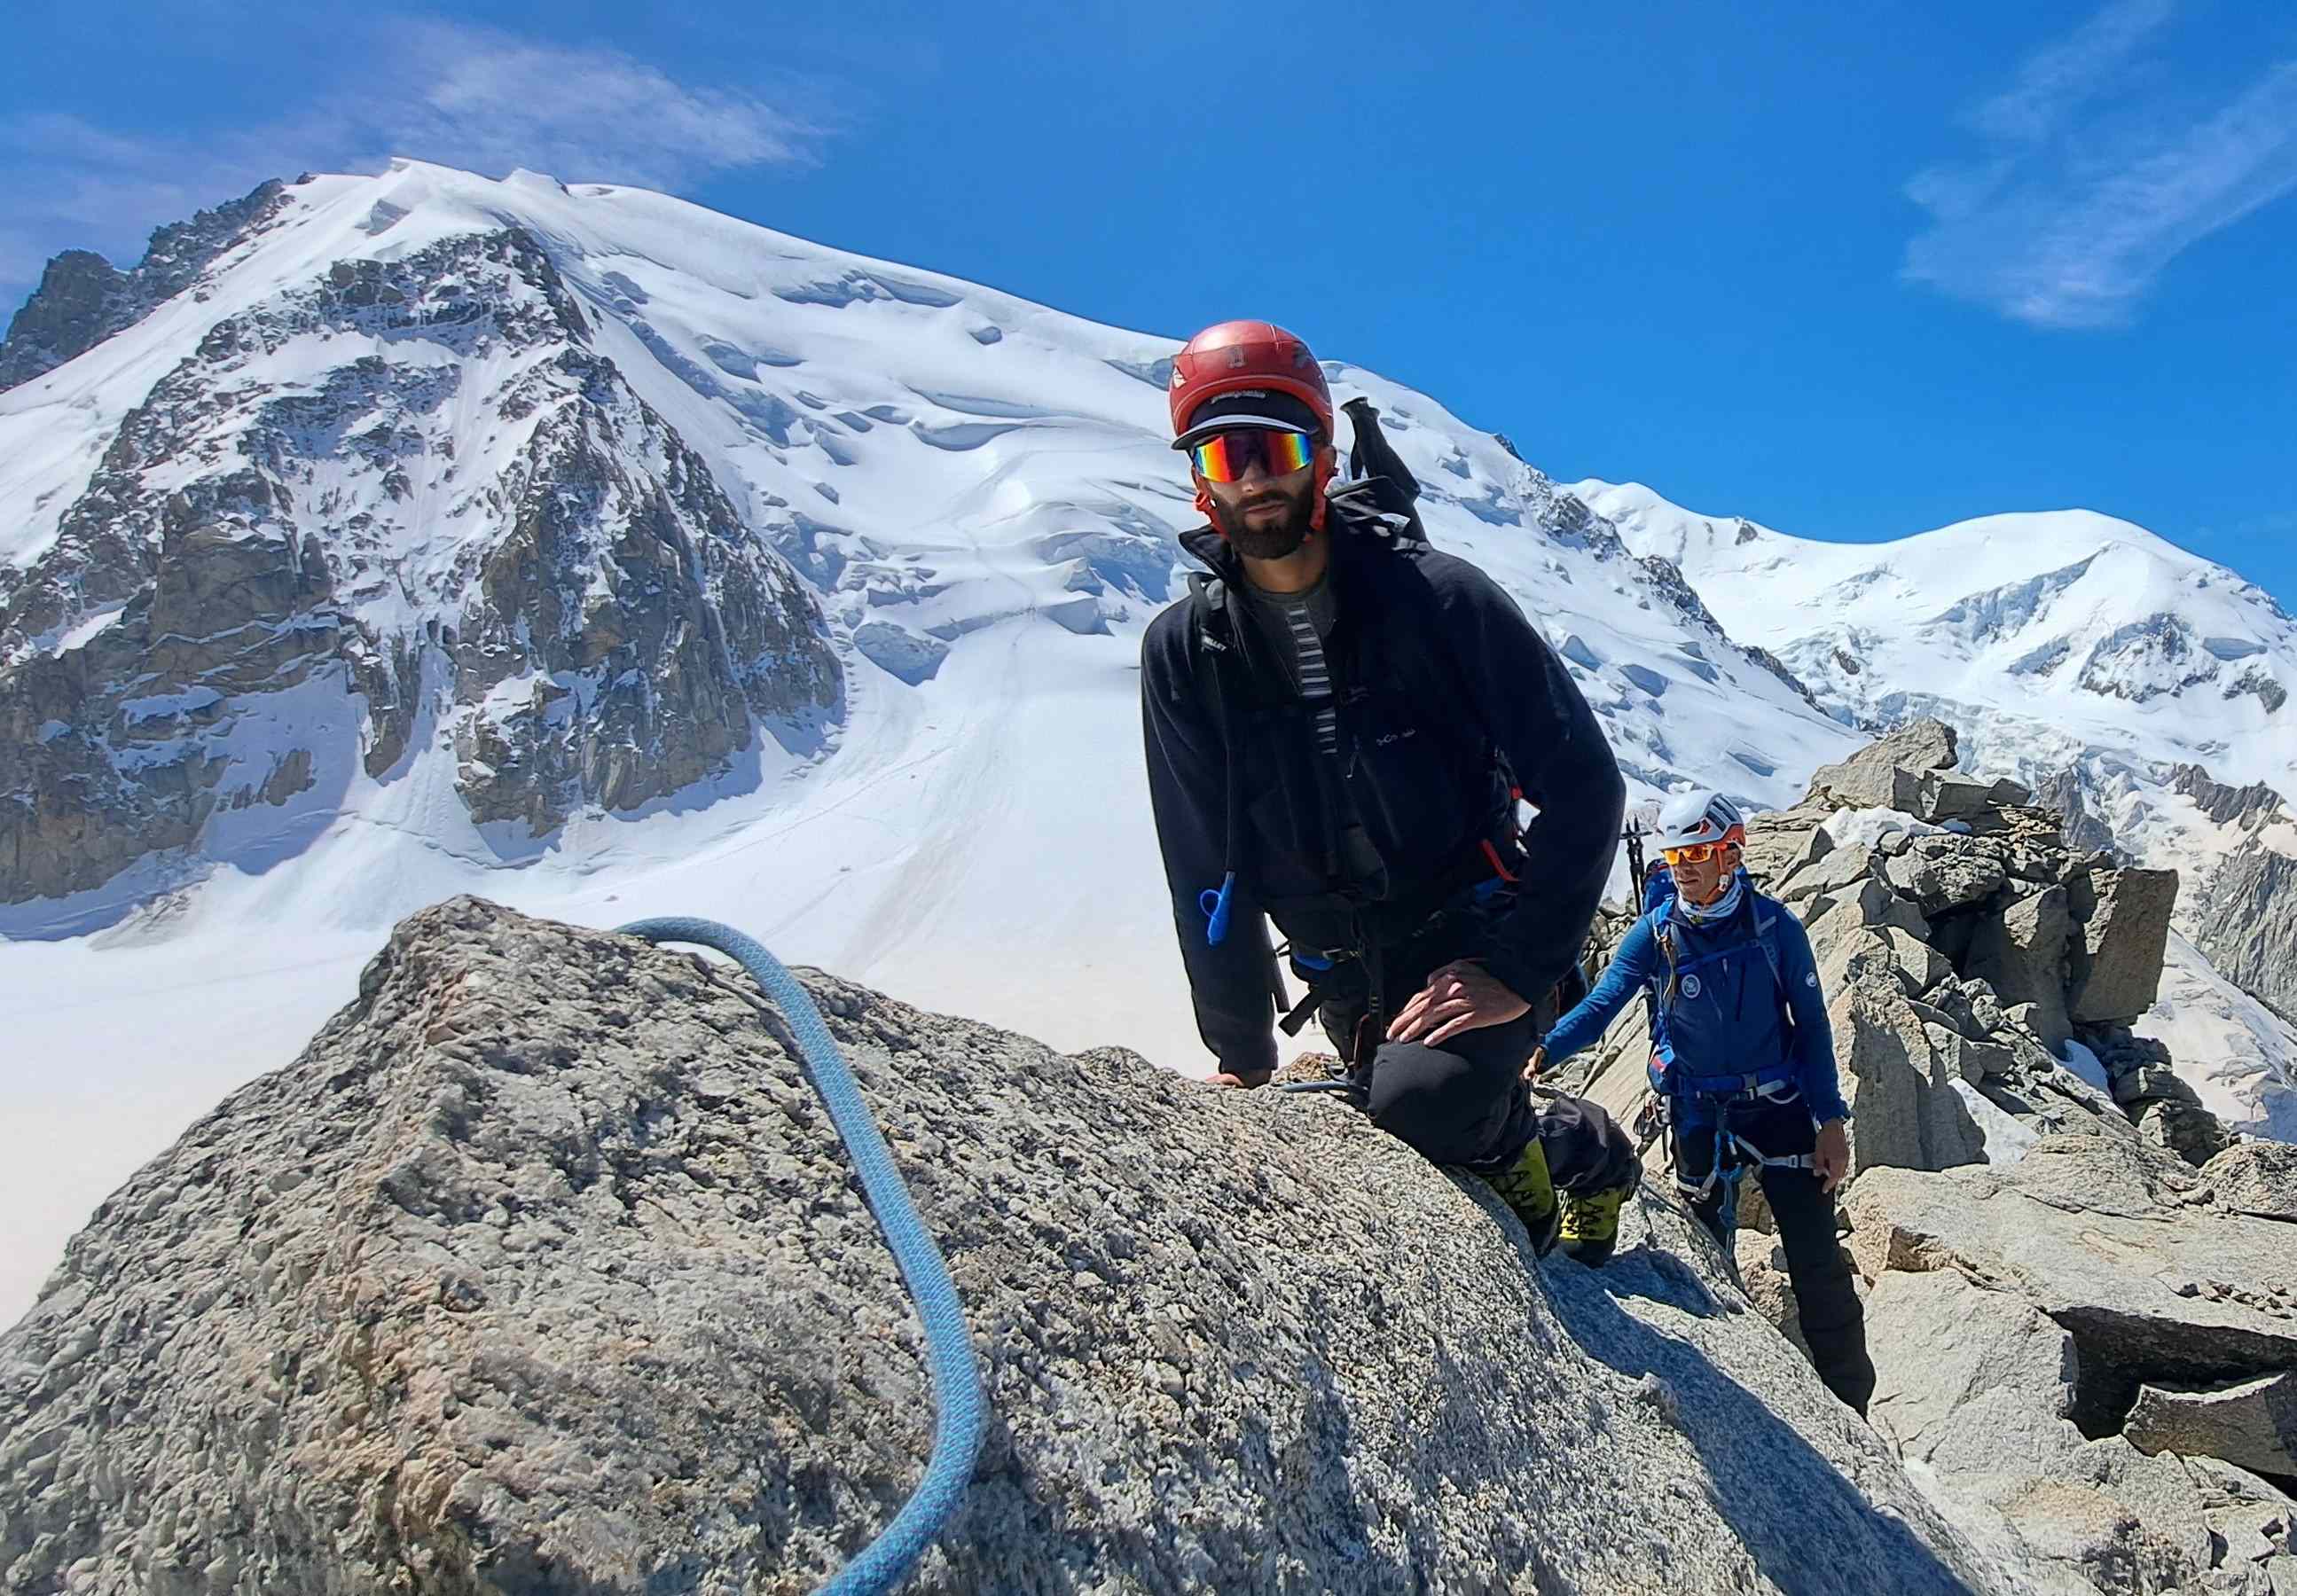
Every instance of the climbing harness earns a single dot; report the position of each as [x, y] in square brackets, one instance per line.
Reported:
[962, 1408]
[1734, 1155]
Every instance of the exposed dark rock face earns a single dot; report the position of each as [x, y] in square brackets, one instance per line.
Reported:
[83, 298]
[2247, 807]
[2083, 831]
[1668, 578]
[2248, 923]
[269, 588]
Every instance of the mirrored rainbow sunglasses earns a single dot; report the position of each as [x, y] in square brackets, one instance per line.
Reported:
[1226, 457]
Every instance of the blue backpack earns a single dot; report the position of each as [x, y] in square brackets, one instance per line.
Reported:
[1659, 887]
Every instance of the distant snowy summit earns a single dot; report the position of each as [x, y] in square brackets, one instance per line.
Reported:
[2081, 654]
[2076, 622]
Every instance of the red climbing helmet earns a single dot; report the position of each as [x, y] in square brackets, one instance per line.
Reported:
[1245, 359]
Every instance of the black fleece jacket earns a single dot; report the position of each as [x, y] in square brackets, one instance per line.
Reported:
[1432, 665]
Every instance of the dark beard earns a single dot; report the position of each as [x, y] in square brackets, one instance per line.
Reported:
[1270, 542]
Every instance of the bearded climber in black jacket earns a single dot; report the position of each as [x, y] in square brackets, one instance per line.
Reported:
[1339, 723]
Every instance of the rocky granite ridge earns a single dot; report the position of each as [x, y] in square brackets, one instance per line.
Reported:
[2080, 1296]
[541, 1270]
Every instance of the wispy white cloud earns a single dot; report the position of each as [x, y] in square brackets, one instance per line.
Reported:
[2096, 176]
[2058, 78]
[461, 95]
[491, 102]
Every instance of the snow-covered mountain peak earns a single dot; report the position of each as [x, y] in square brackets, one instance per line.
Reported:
[2081, 624]
[483, 422]
[1926, 571]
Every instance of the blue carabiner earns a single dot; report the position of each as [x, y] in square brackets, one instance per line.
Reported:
[1214, 905]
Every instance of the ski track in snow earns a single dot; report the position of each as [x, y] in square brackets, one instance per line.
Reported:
[979, 842]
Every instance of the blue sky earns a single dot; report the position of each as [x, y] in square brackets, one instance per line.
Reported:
[1851, 275]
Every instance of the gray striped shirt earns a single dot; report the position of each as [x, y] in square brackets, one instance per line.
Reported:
[1294, 627]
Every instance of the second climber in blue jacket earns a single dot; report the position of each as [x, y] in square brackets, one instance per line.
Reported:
[1742, 1060]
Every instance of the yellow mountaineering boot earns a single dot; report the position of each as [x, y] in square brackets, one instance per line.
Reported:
[1591, 1224]
[1526, 1188]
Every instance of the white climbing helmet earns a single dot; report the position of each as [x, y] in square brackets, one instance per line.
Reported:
[1701, 815]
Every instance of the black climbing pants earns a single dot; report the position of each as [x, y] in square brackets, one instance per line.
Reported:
[1833, 1322]
[1465, 1102]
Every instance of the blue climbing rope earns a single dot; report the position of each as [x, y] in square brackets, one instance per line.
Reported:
[963, 1408]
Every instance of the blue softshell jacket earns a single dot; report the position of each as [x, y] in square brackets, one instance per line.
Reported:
[1732, 1024]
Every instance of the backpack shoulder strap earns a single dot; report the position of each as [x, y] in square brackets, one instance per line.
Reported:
[1767, 934]
[1208, 597]
[1663, 983]
[1660, 930]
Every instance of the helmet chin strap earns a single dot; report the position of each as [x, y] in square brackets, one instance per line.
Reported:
[1328, 466]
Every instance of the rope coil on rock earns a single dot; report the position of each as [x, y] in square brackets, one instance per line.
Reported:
[961, 1408]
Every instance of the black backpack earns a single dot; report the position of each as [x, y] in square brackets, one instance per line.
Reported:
[1380, 489]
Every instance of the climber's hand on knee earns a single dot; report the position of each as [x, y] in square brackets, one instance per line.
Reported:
[1461, 996]
[1830, 1161]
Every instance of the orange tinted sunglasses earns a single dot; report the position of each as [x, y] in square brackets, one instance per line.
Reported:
[1694, 853]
